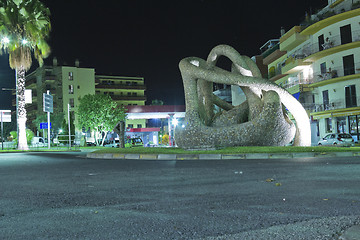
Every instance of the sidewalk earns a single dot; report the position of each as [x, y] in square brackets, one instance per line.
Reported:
[219, 156]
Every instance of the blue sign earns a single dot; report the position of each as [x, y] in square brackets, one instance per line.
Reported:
[44, 125]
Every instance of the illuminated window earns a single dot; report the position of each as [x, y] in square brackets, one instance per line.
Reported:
[71, 89]
[71, 76]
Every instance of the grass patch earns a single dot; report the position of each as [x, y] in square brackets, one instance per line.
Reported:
[230, 150]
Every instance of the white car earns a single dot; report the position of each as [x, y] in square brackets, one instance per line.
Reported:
[114, 144]
[337, 139]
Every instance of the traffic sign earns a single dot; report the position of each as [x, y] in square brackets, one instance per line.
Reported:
[44, 125]
[5, 115]
[48, 103]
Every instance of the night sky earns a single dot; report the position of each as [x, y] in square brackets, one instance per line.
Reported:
[148, 38]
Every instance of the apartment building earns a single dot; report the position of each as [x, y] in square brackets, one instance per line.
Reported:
[66, 84]
[319, 63]
[69, 83]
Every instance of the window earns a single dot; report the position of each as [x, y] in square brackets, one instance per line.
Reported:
[71, 89]
[71, 102]
[323, 68]
[71, 76]
[134, 94]
[350, 96]
[328, 125]
[326, 99]
[345, 34]
[321, 42]
[349, 66]
[78, 87]
[129, 93]
[130, 125]
[139, 126]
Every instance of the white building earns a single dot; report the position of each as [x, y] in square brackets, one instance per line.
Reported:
[319, 63]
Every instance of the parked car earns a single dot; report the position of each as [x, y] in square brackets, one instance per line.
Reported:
[38, 142]
[339, 139]
[114, 144]
[134, 142]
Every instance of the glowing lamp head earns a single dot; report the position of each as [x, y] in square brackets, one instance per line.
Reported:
[24, 41]
[175, 121]
[5, 40]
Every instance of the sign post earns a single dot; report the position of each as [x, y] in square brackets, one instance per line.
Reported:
[48, 107]
[5, 117]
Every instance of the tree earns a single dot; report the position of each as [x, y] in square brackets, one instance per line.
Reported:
[29, 136]
[56, 121]
[100, 112]
[24, 26]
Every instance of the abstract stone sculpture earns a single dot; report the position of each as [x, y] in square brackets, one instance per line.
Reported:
[259, 121]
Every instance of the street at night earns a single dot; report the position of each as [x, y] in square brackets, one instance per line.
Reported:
[67, 196]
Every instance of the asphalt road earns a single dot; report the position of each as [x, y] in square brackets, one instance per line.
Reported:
[66, 196]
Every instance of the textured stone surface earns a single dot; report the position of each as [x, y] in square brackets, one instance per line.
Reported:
[259, 121]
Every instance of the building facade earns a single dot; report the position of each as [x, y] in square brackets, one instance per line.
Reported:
[319, 63]
[67, 84]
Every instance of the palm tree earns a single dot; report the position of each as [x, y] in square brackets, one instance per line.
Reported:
[24, 26]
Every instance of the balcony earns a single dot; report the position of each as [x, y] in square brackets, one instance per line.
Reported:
[336, 74]
[120, 87]
[128, 98]
[31, 83]
[273, 56]
[293, 65]
[31, 108]
[49, 78]
[291, 39]
[329, 21]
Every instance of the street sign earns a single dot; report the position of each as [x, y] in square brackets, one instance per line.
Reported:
[5, 115]
[48, 103]
[44, 125]
[28, 96]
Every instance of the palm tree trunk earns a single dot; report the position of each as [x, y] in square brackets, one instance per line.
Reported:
[21, 111]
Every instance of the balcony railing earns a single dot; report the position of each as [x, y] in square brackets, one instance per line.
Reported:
[120, 86]
[332, 73]
[331, 105]
[330, 42]
[30, 82]
[128, 98]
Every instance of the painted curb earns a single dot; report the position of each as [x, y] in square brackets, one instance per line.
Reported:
[220, 156]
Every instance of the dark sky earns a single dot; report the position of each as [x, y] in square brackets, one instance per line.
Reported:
[148, 38]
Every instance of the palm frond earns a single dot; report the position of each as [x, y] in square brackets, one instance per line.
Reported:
[21, 19]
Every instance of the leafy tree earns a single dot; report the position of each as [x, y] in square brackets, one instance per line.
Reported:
[55, 118]
[24, 26]
[165, 139]
[65, 130]
[100, 112]
[29, 136]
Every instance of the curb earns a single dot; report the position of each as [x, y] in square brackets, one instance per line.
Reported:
[181, 157]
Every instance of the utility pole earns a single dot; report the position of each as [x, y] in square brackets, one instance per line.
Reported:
[69, 125]
[48, 107]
